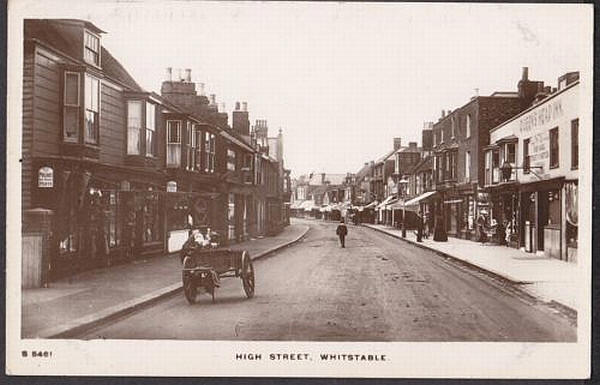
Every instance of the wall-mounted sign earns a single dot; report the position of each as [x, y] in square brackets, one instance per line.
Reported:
[171, 186]
[46, 177]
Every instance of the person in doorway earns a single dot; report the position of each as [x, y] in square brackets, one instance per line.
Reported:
[341, 232]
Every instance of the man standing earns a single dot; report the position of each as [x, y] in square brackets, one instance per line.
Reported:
[341, 232]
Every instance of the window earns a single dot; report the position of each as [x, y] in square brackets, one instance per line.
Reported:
[71, 107]
[453, 127]
[495, 166]
[441, 135]
[173, 143]
[574, 144]
[209, 148]
[510, 154]
[199, 139]
[92, 96]
[134, 127]
[91, 51]
[554, 147]
[230, 160]
[467, 166]
[231, 217]
[488, 167]
[150, 129]
[191, 147]
[526, 156]
[468, 131]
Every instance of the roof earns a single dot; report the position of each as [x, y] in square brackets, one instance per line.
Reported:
[425, 163]
[385, 157]
[56, 34]
[333, 179]
[364, 171]
[409, 149]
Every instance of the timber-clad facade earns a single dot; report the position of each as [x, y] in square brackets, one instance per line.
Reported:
[112, 172]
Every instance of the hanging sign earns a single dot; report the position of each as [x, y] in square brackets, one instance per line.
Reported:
[46, 177]
[171, 186]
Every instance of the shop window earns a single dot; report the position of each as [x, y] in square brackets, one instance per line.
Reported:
[150, 129]
[92, 109]
[173, 143]
[112, 230]
[71, 107]
[151, 218]
[91, 50]
[574, 144]
[554, 148]
[134, 127]
[526, 156]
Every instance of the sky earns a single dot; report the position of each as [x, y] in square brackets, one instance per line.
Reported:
[340, 79]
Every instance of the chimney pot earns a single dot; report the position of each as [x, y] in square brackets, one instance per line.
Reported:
[443, 113]
[237, 106]
[525, 75]
[222, 107]
[169, 74]
[188, 75]
[201, 89]
[245, 106]
[179, 73]
[213, 99]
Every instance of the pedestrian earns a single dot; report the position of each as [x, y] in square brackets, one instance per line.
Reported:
[341, 232]
[420, 226]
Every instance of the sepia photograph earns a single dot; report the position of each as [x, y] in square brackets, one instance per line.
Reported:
[214, 188]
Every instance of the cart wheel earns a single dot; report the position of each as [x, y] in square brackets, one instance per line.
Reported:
[247, 274]
[190, 290]
[189, 287]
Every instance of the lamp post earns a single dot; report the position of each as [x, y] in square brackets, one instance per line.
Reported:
[403, 182]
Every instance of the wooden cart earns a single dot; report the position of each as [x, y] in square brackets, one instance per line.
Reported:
[203, 268]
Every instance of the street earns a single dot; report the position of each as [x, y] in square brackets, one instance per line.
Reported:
[376, 289]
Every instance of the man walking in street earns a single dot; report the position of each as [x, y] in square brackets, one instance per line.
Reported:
[341, 232]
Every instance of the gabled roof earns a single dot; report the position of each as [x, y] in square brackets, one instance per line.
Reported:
[385, 157]
[56, 34]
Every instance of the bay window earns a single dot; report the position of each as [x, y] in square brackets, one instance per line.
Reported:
[209, 152]
[191, 147]
[150, 129]
[510, 156]
[71, 107]
[231, 160]
[495, 166]
[173, 143]
[198, 139]
[92, 109]
[134, 127]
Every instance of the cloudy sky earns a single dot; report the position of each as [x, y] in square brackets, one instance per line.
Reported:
[340, 79]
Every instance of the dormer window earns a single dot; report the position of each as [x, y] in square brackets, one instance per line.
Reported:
[91, 48]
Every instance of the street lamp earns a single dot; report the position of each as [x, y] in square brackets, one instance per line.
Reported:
[403, 182]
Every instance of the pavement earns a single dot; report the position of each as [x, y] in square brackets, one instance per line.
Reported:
[375, 289]
[548, 279]
[70, 306]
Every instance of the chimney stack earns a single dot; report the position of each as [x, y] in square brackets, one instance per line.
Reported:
[169, 74]
[188, 75]
[397, 143]
[412, 145]
[525, 74]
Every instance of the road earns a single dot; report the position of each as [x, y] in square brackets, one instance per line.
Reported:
[376, 289]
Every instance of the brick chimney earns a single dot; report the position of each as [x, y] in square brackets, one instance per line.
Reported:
[427, 136]
[528, 89]
[182, 91]
[412, 145]
[239, 120]
[397, 143]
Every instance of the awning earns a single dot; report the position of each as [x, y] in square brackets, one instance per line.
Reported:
[370, 205]
[307, 205]
[385, 202]
[297, 204]
[416, 200]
